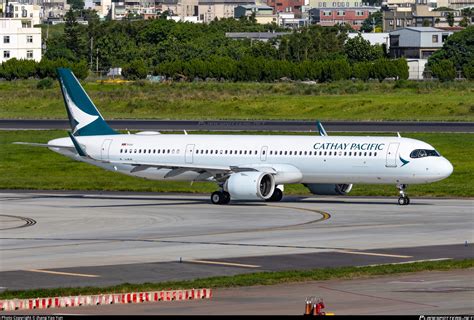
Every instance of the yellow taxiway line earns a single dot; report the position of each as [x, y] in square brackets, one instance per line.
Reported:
[225, 263]
[65, 273]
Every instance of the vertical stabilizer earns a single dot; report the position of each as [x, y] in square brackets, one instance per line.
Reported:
[84, 117]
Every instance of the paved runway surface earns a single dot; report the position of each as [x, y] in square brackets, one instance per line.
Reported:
[63, 239]
[428, 293]
[258, 125]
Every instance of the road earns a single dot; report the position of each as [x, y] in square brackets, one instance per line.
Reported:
[62, 239]
[258, 125]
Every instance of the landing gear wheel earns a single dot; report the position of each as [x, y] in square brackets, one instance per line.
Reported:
[217, 197]
[220, 197]
[403, 201]
[226, 197]
[276, 196]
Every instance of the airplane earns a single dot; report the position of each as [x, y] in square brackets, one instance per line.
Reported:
[245, 167]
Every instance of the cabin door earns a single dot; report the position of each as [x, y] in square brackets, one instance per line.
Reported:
[392, 155]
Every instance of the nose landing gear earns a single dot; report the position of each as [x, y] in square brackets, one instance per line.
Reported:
[403, 200]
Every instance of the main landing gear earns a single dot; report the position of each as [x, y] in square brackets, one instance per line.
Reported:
[220, 197]
[403, 200]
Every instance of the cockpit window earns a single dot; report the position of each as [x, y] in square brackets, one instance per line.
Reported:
[421, 153]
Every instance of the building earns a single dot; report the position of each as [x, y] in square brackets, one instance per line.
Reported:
[293, 6]
[288, 20]
[332, 16]
[337, 3]
[54, 10]
[255, 36]
[102, 7]
[211, 9]
[416, 42]
[375, 38]
[263, 14]
[19, 39]
[23, 11]
[180, 8]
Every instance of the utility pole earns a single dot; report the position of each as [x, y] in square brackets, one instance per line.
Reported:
[92, 50]
[97, 62]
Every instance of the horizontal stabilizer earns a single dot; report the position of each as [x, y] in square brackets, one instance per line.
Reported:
[77, 146]
[44, 145]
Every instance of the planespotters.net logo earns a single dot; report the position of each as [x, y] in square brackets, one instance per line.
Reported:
[446, 318]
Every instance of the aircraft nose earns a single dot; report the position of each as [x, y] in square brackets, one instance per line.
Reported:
[446, 168]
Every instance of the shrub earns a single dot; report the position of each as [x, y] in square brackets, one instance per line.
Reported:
[361, 70]
[444, 70]
[45, 83]
[135, 70]
[18, 69]
[468, 70]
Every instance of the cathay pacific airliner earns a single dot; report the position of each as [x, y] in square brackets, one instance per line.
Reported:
[245, 167]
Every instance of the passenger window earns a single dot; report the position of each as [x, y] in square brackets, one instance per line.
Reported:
[286, 152]
[120, 150]
[375, 154]
[365, 154]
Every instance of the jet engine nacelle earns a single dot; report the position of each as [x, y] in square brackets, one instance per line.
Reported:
[329, 189]
[250, 185]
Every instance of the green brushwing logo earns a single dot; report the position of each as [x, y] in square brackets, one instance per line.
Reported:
[403, 161]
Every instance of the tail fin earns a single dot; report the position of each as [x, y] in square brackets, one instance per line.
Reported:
[84, 117]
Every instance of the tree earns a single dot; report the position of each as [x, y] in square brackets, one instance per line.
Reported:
[426, 23]
[464, 22]
[373, 20]
[459, 48]
[76, 4]
[73, 35]
[359, 49]
[450, 18]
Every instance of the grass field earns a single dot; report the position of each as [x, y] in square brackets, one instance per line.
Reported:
[23, 167]
[345, 100]
[252, 279]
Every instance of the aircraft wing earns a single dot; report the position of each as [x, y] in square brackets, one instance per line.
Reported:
[218, 172]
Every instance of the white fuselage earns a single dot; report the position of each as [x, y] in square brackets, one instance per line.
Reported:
[296, 159]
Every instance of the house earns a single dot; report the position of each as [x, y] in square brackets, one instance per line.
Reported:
[375, 38]
[23, 11]
[416, 42]
[331, 16]
[19, 39]
[181, 8]
[211, 9]
[263, 14]
[293, 6]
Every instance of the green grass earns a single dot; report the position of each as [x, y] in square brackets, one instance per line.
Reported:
[23, 167]
[345, 100]
[252, 279]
